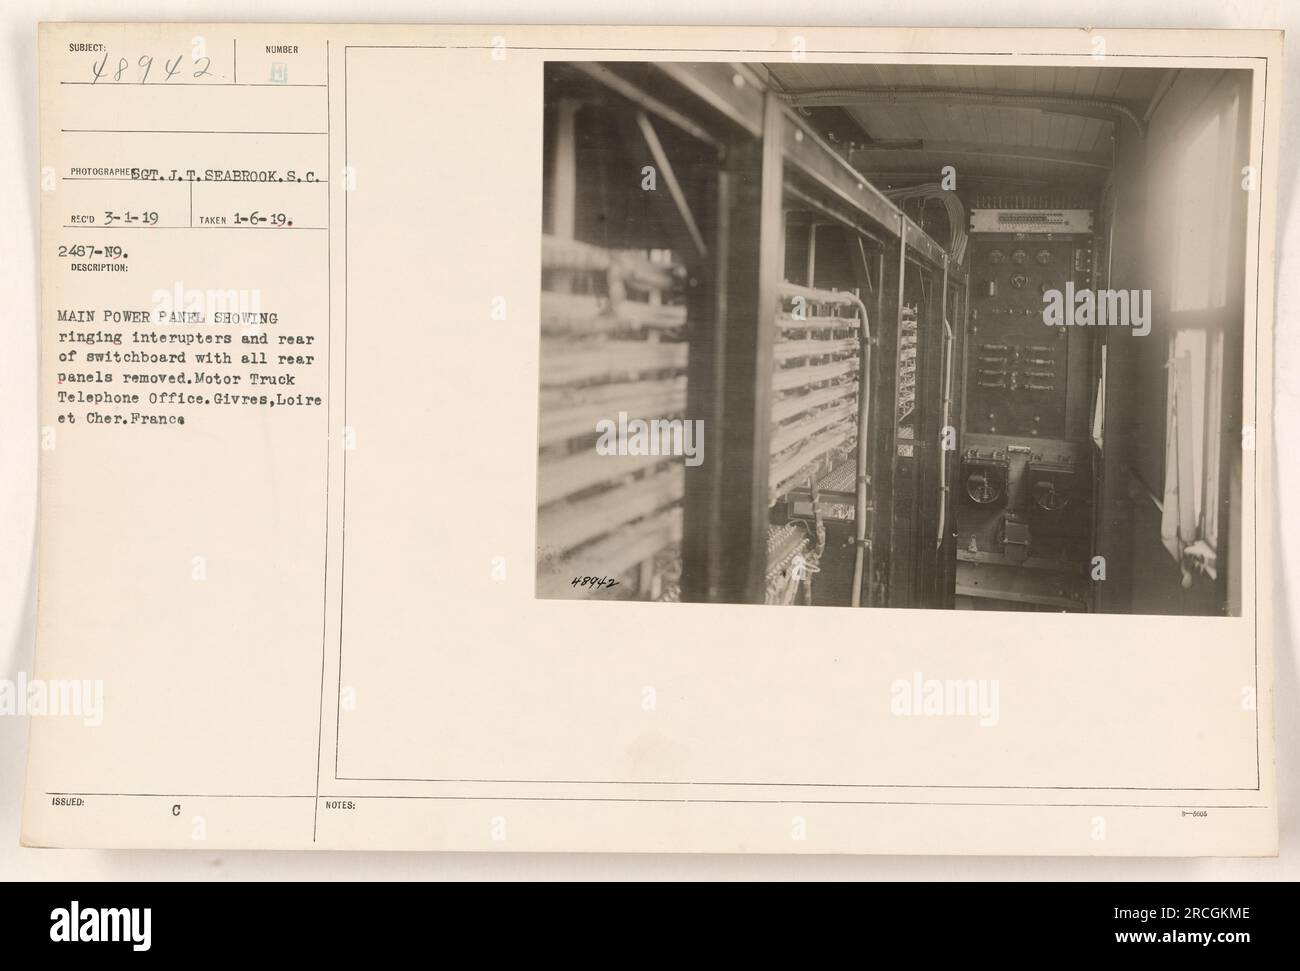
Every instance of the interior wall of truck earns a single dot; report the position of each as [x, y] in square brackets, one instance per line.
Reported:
[866, 335]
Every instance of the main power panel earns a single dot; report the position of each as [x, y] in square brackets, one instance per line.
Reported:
[1025, 481]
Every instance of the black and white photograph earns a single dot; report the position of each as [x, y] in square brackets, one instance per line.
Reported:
[951, 336]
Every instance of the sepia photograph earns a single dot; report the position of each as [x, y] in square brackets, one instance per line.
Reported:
[949, 336]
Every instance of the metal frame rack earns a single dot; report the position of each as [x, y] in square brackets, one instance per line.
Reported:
[610, 341]
[821, 384]
[739, 173]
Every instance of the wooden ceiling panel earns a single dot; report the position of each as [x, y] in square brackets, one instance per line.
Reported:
[1028, 141]
[1134, 86]
[1073, 132]
[1081, 82]
[1108, 82]
[1137, 87]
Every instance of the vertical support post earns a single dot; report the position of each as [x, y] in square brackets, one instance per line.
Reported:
[963, 333]
[862, 275]
[708, 313]
[944, 554]
[564, 169]
[753, 272]
[564, 179]
[812, 254]
[881, 421]
[900, 526]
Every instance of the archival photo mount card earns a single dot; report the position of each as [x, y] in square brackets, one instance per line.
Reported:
[655, 439]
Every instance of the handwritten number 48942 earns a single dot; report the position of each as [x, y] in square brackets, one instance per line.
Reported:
[596, 583]
[170, 69]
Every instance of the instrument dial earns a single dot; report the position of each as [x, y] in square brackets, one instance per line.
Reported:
[982, 490]
[1050, 499]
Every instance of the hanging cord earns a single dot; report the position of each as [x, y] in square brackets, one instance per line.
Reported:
[956, 212]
